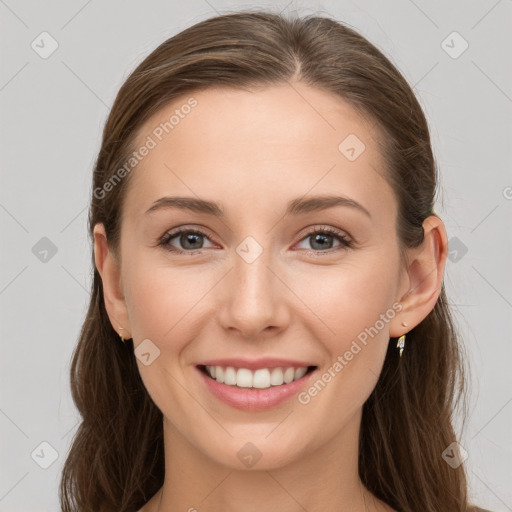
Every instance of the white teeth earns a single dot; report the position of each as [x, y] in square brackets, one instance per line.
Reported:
[243, 378]
[276, 378]
[288, 375]
[230, 376]
[300, 372]
[260, 379]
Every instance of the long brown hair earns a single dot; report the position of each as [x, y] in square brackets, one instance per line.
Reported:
[116, 460]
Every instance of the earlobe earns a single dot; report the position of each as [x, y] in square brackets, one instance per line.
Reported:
[425, 272]
[110, 273]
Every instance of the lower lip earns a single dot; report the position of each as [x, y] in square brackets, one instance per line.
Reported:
[249, 399]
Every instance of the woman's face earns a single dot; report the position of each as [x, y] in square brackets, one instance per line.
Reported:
[256, 282]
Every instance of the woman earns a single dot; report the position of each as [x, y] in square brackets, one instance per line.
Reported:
[268, 326]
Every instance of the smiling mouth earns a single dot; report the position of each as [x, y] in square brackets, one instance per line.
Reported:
[263, 378]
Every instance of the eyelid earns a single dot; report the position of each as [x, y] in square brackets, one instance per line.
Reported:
[321, 228]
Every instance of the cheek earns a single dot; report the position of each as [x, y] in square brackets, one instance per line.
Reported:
[352, 307]
[352, 310]
[348, 298]
[163, 300]
[163, 303]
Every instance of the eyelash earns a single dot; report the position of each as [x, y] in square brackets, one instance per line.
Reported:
[346, 243]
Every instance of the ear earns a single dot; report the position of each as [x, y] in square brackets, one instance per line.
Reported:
[110, 272]
[425, 273]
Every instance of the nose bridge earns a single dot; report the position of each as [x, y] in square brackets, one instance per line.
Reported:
[255, 287]
[252, 274]
[254, 301]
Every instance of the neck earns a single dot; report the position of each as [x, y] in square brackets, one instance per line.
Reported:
[321, 479]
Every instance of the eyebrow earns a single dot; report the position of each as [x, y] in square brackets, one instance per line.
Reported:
[294, 207]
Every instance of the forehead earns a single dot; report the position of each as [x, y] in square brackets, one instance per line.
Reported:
[247, 145]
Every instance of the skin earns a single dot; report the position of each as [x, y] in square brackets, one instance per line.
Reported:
[252, 152]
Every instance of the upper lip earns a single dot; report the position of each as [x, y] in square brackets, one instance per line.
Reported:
[255, 364]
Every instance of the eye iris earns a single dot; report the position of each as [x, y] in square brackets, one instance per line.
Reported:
[186, 237]
[318, 237]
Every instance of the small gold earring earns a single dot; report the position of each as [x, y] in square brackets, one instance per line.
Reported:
[120, 335]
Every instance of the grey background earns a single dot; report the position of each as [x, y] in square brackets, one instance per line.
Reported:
[53, 111]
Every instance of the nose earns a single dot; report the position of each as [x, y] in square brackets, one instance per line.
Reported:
[254, 298]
